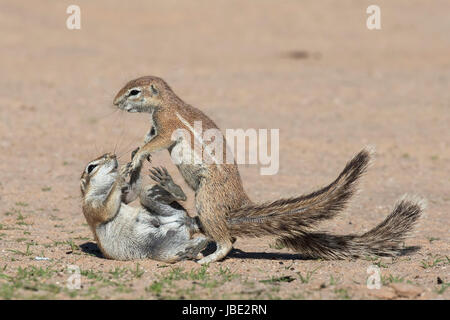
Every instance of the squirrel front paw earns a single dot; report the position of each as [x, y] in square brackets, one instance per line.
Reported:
[138, 156]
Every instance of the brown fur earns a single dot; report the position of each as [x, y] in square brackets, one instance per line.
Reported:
[295, 216]
[223, 207]
[218, 188]
[94, 214]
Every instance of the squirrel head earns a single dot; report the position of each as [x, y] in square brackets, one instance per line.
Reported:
[143, 94]
[99, 176]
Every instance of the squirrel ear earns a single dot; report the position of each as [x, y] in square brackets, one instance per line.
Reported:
[153, 89]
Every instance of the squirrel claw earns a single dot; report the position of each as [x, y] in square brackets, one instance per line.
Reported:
[148, 157]
[160, 175]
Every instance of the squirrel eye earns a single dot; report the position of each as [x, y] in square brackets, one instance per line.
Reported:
[91, 167]
[134, 92]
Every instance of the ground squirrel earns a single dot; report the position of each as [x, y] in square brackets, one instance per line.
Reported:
[160, 229]
[226, 211]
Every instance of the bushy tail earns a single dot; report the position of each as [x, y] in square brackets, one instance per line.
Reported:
[295, 216]
[383, 240]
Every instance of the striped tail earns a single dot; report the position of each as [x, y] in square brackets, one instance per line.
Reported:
[383, 240]
[293, 217]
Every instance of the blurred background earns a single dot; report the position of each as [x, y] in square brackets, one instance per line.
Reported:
[311, 69]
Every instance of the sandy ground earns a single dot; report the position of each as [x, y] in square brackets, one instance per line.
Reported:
[310, 68]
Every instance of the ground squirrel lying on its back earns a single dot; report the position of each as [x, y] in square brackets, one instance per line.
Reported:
[160, 229]
[225, 210]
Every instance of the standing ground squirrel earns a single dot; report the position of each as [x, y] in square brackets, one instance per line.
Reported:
[226, 211]
[160, 229]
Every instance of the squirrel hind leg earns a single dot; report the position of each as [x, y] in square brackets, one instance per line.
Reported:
[177, 245]
[186, 250]
[223, 248]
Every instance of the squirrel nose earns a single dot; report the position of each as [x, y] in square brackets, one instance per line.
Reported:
[117, 99]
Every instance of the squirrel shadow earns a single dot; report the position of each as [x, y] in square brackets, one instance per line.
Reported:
[92, 249]
[239, 254]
